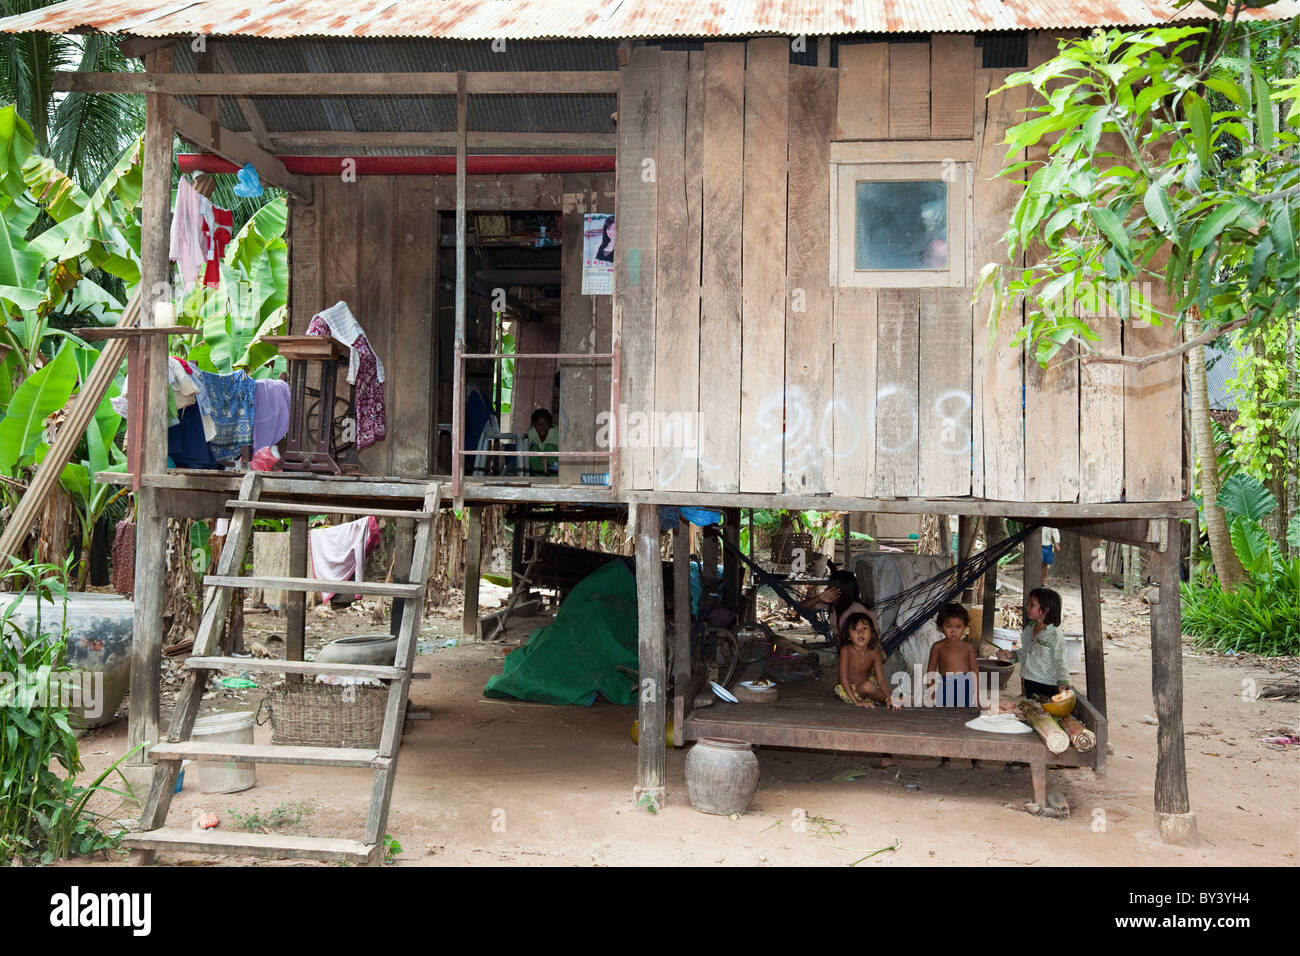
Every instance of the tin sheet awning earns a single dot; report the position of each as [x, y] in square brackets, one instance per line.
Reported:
[541, 19]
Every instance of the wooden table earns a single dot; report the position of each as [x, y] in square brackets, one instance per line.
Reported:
[307, 449]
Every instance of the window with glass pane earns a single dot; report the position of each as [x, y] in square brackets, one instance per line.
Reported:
[902, 224]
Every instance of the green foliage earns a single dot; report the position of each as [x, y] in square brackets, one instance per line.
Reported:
[1244, 495]
[1260, 392]
[1259, 617]
[40, 395]
[1139, 185]
[1247, 502]
[391, 848]
[283, 815]
[43, 812]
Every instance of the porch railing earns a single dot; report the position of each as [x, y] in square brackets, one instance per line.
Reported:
[458, 450]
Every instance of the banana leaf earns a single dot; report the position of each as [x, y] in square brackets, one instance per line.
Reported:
[42, 394]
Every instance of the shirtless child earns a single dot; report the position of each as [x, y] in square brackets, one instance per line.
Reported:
[862, 677]
[954, 661]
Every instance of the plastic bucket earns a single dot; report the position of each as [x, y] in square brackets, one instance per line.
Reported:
[227, 776]
[1074, 652]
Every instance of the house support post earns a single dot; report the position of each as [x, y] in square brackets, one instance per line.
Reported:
[1175, 821]
[965, 544]
[681, 626]
[730, 563]
[295, 605]
[993, 533]
[473, 570]
[1091, 567]
[151, 433]
[1033, 578]
[652, 654]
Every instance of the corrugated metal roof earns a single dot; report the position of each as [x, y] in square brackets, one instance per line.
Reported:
[539, 19]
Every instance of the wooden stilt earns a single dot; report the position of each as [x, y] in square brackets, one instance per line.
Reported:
[403, 549]
[1174, 819]
[681, 627]
[473, 571]
[730, 563]
[295, 637]
[965, 544]
[652, 655]
[1033, 577]
[151, 429]
[994, 532]
[1094, 663]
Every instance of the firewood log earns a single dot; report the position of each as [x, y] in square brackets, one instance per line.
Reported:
[1081, 738]
[1057, 740]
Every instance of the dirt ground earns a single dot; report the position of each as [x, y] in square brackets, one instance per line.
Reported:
[516, 783]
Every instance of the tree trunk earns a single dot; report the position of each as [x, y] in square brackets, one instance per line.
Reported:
[1292, 467]
[1229, 569]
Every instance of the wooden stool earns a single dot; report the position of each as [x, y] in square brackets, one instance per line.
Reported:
[311, 448]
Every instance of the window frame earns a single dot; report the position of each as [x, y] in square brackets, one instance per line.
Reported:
[899, 161]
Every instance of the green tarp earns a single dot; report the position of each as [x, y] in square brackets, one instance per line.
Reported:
[579, 654]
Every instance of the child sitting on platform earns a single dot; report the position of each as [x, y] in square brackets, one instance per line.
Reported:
[862, 658]
[953, 660]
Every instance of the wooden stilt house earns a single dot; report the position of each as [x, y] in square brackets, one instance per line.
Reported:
[803, 199]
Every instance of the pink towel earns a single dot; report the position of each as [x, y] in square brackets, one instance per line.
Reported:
[339, 553]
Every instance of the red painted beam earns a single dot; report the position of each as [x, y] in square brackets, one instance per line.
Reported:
[409, 165]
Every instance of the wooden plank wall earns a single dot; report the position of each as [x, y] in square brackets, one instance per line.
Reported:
[370, 243]
[807, 389]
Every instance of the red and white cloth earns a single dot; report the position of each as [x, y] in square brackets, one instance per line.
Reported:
[365, 371]
[218, 237]
[339, 553]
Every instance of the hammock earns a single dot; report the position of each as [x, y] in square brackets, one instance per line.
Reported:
[934, 592]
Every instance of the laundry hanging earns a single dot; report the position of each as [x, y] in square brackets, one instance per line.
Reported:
[365, 370]
[192, 224]
[339, 553]
[218, 237]
[227, 403]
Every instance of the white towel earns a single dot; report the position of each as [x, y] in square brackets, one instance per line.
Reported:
[345, 328]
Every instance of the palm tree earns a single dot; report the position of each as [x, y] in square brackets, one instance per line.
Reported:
[84, 133]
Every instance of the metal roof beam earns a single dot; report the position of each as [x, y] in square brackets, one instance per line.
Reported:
[419, 140]
[542, 83]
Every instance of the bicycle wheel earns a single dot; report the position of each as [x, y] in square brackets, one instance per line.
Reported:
[726, 654]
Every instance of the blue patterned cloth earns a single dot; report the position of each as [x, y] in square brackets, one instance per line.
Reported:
[228, 400]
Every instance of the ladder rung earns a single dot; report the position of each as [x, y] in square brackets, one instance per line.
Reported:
[326, 509]
[381, 588]
[252, 844]
[264, 753]
[259, 665]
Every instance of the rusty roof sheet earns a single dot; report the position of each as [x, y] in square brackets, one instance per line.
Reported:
[609, 19]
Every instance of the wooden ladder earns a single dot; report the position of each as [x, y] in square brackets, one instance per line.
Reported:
[153, 835]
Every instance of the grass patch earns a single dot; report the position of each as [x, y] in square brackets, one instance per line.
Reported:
[283, 816]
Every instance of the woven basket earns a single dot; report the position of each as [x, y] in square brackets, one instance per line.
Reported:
[784, 545]
[327, 715]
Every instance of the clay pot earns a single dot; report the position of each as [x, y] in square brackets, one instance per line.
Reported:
[378, 649]
[721, 775]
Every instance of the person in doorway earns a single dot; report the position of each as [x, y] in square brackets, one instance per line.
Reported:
[541, 437]
[1051, 545]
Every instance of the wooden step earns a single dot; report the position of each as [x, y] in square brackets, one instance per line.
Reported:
[251, 844]
[310, 668]
[285, 507]
[262, 753]
[381, 588]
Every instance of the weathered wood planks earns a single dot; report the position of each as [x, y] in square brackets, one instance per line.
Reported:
[898, 316]
[634, 257]
[862, 111]
[952, 85]
[677, 309]
[909, 91]
[809, 321]
[854, 411]
[944, 367]
[720, 355]
[998, 372]
[578, 398]
[763, 265]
